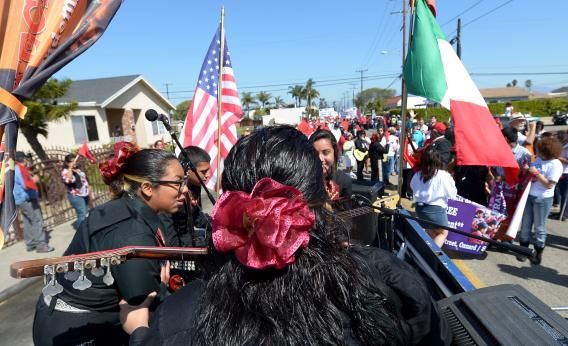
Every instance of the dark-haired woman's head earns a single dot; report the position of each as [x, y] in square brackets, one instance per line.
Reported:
[326, 146]
[281, 153]
[430, 164]
[304, 301]
[154, 175]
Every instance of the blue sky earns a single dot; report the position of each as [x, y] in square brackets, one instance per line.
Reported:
[287, 42]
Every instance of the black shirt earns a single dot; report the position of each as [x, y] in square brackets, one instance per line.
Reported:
[376, 150]
[173, 321]
[121, 222]
[444, 148]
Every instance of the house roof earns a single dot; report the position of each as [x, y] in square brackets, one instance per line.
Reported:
[504, 92]
[101, 91]
[392, 101]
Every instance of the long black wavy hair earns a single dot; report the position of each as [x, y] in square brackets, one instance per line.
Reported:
[321, 298]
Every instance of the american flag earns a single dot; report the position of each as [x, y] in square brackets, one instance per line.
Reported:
[200, 127]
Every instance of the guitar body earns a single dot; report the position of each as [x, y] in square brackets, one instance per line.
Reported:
[360, 155]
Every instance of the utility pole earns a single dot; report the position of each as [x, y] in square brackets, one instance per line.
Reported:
[353, 88]
[167, 89]
[365, 70]
[459, 40]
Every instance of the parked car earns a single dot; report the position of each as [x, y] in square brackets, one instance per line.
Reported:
[560, 118]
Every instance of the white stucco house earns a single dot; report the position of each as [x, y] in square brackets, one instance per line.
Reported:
[109, 110]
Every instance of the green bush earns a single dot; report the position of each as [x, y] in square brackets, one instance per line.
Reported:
[537, 108]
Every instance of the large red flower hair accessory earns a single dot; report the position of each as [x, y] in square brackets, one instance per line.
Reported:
[122, 151]
[265, 228]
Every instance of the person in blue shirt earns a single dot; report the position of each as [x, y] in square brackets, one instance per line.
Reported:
[27, 200]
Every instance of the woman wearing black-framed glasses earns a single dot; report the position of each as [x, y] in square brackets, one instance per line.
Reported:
[144, 183]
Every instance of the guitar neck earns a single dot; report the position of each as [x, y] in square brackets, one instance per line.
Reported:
[32, 268]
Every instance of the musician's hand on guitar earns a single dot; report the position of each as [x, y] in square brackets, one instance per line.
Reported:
[135, 316]
[165, 273]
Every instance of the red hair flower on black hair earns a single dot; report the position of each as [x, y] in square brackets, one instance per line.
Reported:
[265, 228]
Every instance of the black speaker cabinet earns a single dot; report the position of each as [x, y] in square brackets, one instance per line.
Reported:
[364, 227]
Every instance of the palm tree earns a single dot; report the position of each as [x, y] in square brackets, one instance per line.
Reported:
[323, 103]
[247, 99]
[296, 92]
[42, 108]
[514, 83]
[278, 102]
[528, 84]
[308, 92]
[263, 97]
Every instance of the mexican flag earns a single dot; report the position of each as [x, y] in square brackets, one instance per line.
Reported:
[433, 70]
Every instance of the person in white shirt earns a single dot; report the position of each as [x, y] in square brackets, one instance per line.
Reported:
[432, 186]
[546, 170]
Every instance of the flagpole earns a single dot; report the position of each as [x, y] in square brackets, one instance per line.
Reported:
[220, 97]
[404, 96]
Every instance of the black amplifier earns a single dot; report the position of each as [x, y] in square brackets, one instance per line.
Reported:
[503, 315]
[364, 227]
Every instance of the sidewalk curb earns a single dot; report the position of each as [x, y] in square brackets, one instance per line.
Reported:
[17, 288]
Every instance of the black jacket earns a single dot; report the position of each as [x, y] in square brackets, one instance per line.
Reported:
[376, 150]
[173, 321]
[126, 221]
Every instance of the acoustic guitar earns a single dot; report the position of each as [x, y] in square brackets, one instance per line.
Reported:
[97, 264]
[360, 155]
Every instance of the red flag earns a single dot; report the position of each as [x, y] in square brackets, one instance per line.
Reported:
[305, 128]
[85, 152]
[201, 124]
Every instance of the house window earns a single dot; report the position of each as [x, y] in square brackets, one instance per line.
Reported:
[84, 129]
[158, 128]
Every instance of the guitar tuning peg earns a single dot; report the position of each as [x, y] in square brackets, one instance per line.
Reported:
[82, 282]
[96, 271]
[52, 287]
[107, 279]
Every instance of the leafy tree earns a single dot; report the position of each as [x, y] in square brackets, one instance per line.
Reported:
[180, 113]
[323, 103]
[371, 95]
[296, 92]
[263, 97]
[43, 108]
[509, 85]
[247, 99]
[259, 113]
[514, 83]
[528, 84]
[279, 102]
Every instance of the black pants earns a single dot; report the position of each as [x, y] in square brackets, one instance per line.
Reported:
[53, 327]
[360, 166]
[406, 191]
[374, 169]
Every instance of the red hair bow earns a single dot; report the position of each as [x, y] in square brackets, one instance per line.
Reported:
[264, 228]
[122, 151]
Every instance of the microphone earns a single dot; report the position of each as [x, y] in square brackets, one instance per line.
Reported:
[152, 115]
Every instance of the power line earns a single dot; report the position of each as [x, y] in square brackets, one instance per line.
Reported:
[517, 73]
[462, 12]
[285, 89]
[294, 83]
[483, 15]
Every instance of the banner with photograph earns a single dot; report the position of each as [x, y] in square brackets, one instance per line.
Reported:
[474, 218]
